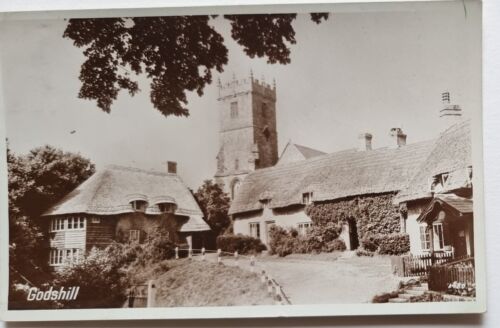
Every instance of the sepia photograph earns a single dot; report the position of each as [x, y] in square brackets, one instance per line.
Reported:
[322, 156]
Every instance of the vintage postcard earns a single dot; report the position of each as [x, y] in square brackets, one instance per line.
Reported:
[242, 161]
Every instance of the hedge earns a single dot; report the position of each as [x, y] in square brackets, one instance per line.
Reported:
[241, 243]
[395, 244]
[284, 242]
[391, 244]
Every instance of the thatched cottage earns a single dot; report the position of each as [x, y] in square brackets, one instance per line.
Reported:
[423, 189]
[123, 204]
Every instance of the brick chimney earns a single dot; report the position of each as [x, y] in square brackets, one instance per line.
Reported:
[365, 141]
[449, 114]
[172, 167]
[399, 137]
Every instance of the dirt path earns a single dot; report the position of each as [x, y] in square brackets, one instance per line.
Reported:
[319, 281]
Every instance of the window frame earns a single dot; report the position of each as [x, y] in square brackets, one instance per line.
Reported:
[307, 198]
[134, 236]
[438, 231]
[233, 110]
[425, 238]
[254, 226]
[304, 227]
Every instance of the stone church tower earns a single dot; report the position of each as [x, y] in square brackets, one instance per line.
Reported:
[247, 136]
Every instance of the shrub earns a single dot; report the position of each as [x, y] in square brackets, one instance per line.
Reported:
[395, 244]
[101, 280]
[319, 237]
[242, 244]
[363, 252]
[335, 245]
[371, 243]
[384, 298]
[158, 246]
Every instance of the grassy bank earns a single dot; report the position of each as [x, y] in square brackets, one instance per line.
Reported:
[194, 283]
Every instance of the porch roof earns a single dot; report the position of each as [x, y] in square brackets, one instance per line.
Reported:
[457, 205]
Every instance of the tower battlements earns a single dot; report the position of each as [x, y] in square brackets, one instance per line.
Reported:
[246, 85]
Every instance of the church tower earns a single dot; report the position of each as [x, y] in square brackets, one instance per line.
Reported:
[247, 135]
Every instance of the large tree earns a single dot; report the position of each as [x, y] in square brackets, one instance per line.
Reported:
[177, 53]
[35, 182]
[214, 203]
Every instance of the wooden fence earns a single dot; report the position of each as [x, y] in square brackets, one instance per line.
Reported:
[418, 265]
[441, 276]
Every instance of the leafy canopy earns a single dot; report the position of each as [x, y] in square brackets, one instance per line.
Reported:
[177, 53]
[214, 203]
[35, 182]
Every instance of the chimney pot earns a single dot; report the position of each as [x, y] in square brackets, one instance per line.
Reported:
[172, 167]
[365, 141]
[449, 114]
[398, 136]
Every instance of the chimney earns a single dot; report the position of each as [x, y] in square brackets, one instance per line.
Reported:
[449, 114]
[399, 137]
[172, 167]
[365, 141]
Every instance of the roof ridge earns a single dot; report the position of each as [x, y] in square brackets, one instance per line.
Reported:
[336, 153]
[138, 170]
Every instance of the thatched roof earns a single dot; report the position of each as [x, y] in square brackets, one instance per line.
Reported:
[332, 176]
[110, 191]
[451, 154]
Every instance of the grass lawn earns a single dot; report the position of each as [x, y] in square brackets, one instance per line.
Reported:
[186, 282]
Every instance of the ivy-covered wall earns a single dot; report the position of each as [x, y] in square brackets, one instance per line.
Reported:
[374, 214]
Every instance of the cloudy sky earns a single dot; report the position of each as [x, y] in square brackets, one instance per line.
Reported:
[360, 71]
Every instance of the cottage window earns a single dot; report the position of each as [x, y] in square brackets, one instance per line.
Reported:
[425, 238]
[139, 205]
[96, 220]
[439, 235]
[234, 109]
[255, 230]
[64, 256]
[57, 224]
[166, 207]
[307, 198]
[134, 236]
[304, 227]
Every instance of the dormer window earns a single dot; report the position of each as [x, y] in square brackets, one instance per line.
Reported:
[165, 204]
[166, 207]
[307, 198]
[139, 205]
[444, 178]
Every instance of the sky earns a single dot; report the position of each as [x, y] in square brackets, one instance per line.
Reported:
[363, 70]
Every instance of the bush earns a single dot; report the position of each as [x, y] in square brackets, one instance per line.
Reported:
[395, 244]
[284, 242]
[335, 246]
[384, 298]
[371, 242]
[158, 246]
[99, 275]
[364, 252]
[242, 244]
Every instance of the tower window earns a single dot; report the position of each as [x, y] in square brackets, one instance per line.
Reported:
[236, 164]
[267, 133]
[234, 109]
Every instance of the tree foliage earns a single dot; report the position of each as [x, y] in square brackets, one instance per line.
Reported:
[214, 203]
[176, 53]
[102, 281]
[35, 182]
